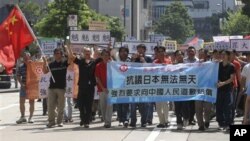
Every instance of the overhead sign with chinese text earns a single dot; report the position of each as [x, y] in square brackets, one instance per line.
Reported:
[240, 44]
[140, 82]
[89, 37]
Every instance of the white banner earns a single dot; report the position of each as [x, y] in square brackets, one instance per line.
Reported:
[132, 46]
[240, 44]
[48, 46]
[76, 48]
[44, 85]
[89, 37]
[222, 45]
[69, 84]
[226, 38]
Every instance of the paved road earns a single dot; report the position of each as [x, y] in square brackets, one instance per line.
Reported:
[9, 131]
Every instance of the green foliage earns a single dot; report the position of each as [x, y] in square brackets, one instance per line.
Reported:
[54, 24]
[175, 23]
[236, 24]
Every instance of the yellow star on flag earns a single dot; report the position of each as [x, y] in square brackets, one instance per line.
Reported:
[13, 20]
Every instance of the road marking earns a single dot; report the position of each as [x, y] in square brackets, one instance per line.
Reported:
[3, 127]
[9, 106]
[154, 134]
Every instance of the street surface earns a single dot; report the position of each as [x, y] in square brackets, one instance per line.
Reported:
[10, 131]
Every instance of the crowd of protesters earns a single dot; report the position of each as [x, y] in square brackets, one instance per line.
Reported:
[233, 95]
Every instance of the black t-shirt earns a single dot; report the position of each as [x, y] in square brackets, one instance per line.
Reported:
[59, 71]
[224, 74]
[87, 72]
[147, 59]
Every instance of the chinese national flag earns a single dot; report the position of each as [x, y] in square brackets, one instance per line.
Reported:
[15, 35]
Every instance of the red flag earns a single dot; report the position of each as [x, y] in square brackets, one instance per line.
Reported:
[15, 35]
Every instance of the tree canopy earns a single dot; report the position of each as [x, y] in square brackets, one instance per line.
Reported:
[175, 23]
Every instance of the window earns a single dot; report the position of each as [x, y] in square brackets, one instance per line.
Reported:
[145, 4]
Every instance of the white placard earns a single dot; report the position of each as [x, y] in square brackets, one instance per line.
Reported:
[70, 84]
[76, 48]
[48, 46]
[240, 44]
[44, 85]
[222, 45]
[72, 20]
[132, 46]
[89, 37]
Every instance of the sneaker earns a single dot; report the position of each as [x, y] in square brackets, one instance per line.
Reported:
[160, 126]
[60, 125]
[70, 120]
[179, 127]
[191, 123]
[120, 124]
[207, 124]
[143, 125]
[220, 128]
[167, 124]
[150, 122]
[132, 125]
[86, 126]
[125, 124]
[50, 125]
[21, 120]
[107, 126]
[81, 123]
[30, 120]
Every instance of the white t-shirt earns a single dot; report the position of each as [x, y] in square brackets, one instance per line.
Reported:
[246, 73]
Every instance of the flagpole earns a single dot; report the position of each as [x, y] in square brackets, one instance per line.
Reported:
[34, 36]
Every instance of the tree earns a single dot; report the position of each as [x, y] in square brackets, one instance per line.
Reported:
[175, 23]
[236, 24]
[54, 24]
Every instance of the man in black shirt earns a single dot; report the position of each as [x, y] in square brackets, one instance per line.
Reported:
[225, 88]
[57, 86]
[86, 85]
[144, 108]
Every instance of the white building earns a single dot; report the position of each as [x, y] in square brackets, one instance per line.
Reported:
[137, 16]
[199, 10]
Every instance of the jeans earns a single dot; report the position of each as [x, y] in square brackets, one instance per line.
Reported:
[224, 107]
[123, 112]
[143, 107]
[150, 112]
[68, 108]
[181, 111]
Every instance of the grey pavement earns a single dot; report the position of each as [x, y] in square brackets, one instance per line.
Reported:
[10, 131]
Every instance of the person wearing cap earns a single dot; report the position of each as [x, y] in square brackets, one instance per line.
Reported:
[144, 108]
[162, 107]
[21, 78]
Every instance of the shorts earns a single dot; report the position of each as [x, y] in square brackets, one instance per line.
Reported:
[22, 93]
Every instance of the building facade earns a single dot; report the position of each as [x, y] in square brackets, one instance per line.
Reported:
[136, 16]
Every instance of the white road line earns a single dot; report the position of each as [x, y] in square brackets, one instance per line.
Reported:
[2, 127]
[154, 134]
[9, 106]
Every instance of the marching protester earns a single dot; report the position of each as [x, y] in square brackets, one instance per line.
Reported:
[245, 85]
[86, 85]
[191, 58]
[101, 79]
[144, 108]
[56, 99]
[203, 108]
[21, 78]
[181, 107]
[162, 107]
[236, 81]
[224, 92]
[123, 109]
